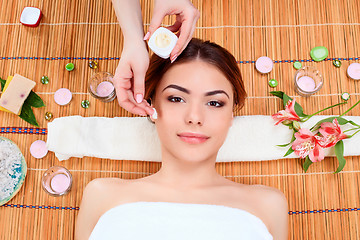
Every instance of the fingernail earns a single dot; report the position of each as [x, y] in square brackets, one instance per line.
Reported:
[146, 36]
[154, 116]
[139, 98]
[174, 58]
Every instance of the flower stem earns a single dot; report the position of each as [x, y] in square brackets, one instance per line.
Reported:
[309, 116]
[351, 129]
[350, 108]
[354, 133]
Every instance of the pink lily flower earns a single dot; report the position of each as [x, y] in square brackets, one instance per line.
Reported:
[331, 134]
[288, 114]
[307, 144]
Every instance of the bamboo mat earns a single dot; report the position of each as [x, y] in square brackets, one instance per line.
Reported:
[322, 205]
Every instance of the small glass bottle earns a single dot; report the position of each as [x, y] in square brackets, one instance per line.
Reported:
[101, 86]
[56, 181]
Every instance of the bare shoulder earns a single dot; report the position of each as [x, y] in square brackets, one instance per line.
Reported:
[274, 207]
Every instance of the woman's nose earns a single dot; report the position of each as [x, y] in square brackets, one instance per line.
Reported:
[194, 116]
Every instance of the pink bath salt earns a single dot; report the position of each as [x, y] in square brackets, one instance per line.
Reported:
[104, 89]
[353, 71]
[63, 96]
[38, 149]
[59, 183]
[306, 84]
[264, 64]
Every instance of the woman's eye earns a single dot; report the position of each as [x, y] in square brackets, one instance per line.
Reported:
[175, 99]
[215, 104]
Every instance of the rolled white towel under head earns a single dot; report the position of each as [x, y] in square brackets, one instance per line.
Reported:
[251, 138]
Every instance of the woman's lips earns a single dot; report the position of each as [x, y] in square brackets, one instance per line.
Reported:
[193, 138]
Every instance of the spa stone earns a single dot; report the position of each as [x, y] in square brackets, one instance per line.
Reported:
[297, 65]
[44, 79]
[337, 63]
[273, 83]
[85, 103]
[319, 53]
[93, 64]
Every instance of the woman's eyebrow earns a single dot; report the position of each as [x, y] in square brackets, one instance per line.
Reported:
[216, 92]
[188, 91]
[178, 88]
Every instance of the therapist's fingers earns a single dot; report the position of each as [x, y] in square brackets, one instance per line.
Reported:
[155, 23]
[188, 21]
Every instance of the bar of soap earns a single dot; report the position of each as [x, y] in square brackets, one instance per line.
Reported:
[15, 94]
[162, 42]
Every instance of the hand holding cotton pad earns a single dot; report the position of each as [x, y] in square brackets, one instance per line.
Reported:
[162, 42]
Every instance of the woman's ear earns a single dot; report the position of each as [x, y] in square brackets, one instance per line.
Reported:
[232, 118]
[153, 117]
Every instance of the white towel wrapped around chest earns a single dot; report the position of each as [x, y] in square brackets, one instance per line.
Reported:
[251, 138]
[178, 221]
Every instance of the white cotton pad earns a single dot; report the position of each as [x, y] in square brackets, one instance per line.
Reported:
[162, 42]
[38, 149]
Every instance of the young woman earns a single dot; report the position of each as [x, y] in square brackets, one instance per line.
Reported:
[186, 199]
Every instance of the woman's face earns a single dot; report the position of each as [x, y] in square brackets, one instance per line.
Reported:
[194, 102]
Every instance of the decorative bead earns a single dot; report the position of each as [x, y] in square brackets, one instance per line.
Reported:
[345, 96]
[297, 65]
[48, 116]
[70, 66]
[273, 83]
[319, 53]
[44, 79]
[93, 64]
[85, 103]
[337, 63]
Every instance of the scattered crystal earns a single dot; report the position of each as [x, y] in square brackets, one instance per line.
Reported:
[273, 83]
[85, 103]
[44, 79]
[93, 64]
[70, 66]
[48, 116]
[337, 63]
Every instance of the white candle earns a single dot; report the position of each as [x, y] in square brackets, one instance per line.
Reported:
[104, 89]
[306, 84]
[62, 96]
[264, 64]
[59, 183]
[353, 71]
[38, 149]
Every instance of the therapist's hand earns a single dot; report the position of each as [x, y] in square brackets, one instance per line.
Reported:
[129, 78]
[186, 18]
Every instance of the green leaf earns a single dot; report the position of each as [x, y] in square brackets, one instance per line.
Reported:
[28, 115]
[339, 152]
[2, 82]
[278, 94]
[34, 100]
[289, 152]
[307, 163]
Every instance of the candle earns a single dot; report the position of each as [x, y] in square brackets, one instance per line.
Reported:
[63, 96]
[264, 64]
[38, 149]
[306, 84]
[60, 183]
[104, 89]
[353, 71]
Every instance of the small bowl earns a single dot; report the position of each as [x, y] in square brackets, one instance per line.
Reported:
[50, 178]
[309, 85]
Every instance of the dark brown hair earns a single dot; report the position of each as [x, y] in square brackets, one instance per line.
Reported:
[203, 50]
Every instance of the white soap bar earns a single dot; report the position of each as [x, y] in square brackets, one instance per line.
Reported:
[18, 90]
[162, 42]
[31, 16]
